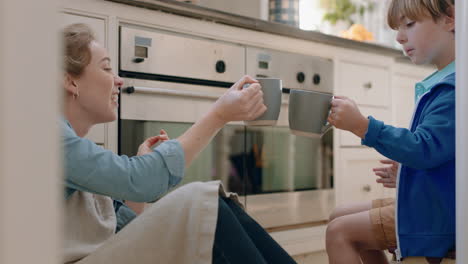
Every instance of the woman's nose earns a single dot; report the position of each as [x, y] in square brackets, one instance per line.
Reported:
[118, 81]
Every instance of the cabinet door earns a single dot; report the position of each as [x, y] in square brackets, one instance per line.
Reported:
[355, 180]
[366, 84]
[403, 99]
[97, 132]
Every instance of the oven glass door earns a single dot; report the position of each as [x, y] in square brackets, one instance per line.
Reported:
[285, 180]
[248, 160]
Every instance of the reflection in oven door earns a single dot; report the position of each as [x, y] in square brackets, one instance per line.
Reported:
[248, 160]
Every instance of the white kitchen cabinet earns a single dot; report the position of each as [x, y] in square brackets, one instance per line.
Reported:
[368, 85]
[354, 178]
[98, 132]
[98, 25]
[405, 77]
[355, 181]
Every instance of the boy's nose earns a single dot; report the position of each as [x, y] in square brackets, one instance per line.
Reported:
[401, 37]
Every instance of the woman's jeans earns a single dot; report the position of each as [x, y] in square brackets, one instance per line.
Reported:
[239, 239]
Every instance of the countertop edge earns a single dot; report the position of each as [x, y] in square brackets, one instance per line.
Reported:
[189, 10]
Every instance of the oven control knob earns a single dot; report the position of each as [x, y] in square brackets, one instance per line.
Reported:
[316, 79]
[138, 60]
[300, 77]
[220, 66]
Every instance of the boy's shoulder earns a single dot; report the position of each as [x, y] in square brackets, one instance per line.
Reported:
[449, 79]
[445, 85]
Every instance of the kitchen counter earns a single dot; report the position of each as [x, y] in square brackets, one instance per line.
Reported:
[190, 10]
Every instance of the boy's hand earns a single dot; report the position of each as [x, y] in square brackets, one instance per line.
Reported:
[345, 115]
[145, 147]
[387, 174]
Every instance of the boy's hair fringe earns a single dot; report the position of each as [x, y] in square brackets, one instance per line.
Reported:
[417, 10]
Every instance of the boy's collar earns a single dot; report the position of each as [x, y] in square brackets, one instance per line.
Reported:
[424, 86]
[439, 75]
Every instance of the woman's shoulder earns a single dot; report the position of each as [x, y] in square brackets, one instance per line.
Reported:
[66, 128]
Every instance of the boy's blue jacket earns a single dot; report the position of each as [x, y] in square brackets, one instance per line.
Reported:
[425, 214]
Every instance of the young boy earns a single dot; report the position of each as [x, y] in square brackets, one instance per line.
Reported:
[423, 223]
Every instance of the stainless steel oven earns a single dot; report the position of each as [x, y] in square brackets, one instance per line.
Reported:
[171, 80]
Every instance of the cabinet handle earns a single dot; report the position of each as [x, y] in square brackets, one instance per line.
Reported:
[366, 188]
[368, 85]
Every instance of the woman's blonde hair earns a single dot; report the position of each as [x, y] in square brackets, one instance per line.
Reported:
[77, 38]
[417, 10]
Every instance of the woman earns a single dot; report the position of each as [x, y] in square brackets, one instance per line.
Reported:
[197, 223]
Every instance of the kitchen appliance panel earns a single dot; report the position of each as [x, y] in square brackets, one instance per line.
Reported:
[169, 54]
[296, 70]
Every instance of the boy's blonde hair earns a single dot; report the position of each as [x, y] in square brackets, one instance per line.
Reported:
[417, 10]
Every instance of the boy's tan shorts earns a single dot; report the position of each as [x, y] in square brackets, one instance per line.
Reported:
[382, 217]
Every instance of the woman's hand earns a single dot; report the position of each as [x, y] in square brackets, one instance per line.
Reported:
[235, 105]
[239, 104]
[145, 147]
[345, 115]
[387, 174]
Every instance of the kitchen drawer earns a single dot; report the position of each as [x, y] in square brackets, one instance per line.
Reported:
[367, 85]
[348, 139]
[403, 99]
[357, 182]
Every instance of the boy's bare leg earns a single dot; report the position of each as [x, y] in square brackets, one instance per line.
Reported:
[367, 256]
[348, 236]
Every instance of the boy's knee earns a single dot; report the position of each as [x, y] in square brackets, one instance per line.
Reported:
[335, 228]
[338, 231]
[337, 212]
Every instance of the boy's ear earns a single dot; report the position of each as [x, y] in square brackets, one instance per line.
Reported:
[449, 19]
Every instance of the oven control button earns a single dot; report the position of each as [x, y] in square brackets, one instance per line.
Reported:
[130, 89]
[220, 66]
[316, 79]
[300, 77]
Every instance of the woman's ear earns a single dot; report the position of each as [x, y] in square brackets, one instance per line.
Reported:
[69, 84]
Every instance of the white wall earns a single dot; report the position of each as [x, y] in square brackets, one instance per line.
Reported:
[462, 130]
[30, 186]
[251, 8]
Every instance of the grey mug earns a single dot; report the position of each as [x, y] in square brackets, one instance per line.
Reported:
[272, 92]
[308, 113]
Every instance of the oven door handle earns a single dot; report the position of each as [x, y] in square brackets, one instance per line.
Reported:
[171, 92]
